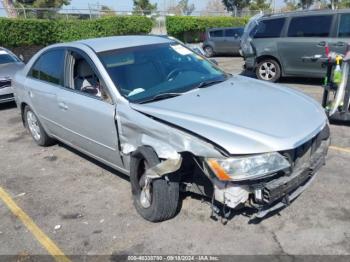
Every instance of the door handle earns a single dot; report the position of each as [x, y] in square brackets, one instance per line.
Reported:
[322, 44]
[62, 105]
[340, 44]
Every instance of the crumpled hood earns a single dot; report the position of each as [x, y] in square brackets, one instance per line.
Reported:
[243, 115]
[10, 69]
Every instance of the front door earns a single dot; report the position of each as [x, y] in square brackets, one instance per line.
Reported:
[87, 112]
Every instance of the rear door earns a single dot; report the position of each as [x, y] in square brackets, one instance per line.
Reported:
[45, 79]
[233, 39]
[306, 37]
[218, 40]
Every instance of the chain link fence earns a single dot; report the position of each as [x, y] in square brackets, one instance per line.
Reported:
[159, 17]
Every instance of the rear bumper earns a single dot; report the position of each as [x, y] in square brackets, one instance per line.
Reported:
[278, 193]
[249, 63]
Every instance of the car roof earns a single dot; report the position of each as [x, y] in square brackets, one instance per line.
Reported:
[118, 42]
[223, 28]
[306, 13]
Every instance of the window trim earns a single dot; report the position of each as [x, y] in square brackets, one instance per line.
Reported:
[37, 60]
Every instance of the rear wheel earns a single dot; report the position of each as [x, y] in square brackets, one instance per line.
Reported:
[268, 70]
[209, 51]
[160, 199]
[35, 128]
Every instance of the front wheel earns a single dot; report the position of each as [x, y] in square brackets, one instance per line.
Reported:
[157, 201]
[268, 70]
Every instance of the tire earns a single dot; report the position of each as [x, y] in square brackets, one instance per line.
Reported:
[164, 194]
[209, 51]
[268, 70]
[35, 129]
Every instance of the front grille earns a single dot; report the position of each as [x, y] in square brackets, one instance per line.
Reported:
[5, 83]
[305, 160]
[5, 97]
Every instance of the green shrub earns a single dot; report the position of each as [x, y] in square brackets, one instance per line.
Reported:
[26, 32]
[183, 26]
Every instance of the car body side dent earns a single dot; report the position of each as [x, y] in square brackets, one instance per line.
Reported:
[137, 129]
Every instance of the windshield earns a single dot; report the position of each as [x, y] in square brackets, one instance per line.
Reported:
[7, 58]
[143, 72]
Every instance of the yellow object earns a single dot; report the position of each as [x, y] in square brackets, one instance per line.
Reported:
[44, 240]
[337, 74]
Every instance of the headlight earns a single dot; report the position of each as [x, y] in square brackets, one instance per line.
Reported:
[242, 168]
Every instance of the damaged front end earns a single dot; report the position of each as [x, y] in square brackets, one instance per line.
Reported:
[264, 182]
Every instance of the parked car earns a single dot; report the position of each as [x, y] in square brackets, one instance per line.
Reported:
[9, 65]
[222, 41]
[153, 109]
[275, 45]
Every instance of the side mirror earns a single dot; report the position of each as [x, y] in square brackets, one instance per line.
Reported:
[213, 61]
[21, 57]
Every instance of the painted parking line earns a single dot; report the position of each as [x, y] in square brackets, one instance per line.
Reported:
[43, 239]
[341, 149]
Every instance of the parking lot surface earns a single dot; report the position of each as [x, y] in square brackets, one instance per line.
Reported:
[84, 207]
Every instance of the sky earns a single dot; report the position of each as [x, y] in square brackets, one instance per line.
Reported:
[126, 5]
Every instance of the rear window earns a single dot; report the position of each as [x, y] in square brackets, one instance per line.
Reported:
[216, 33]
[344, 26]
[310, 26]
[269, 28]
[234, 32]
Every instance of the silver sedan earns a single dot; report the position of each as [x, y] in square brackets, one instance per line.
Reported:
[153, 109]
[9, 65]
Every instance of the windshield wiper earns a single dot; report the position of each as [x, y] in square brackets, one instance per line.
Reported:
[160, 97]
[209, 83]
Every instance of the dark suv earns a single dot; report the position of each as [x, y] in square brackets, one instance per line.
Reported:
[277, 45]
[222, 40]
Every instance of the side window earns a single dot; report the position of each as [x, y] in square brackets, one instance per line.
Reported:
[49, 67]
[230, 32]
[310, 26]
[233, 32]
[344, 26]
[216, 33]
[270, 28]
[84, 78]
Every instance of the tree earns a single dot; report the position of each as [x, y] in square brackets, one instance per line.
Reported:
[44, 3]
[305, 4]
[107, 11]
[344, 4]
[182, 8]
[232, 5]
[215, 7]
[144, 7]
[260, 5]
[55, 4]
[290, 5]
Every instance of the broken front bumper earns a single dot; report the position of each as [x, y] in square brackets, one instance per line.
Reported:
[274, 192]
[279, 192]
